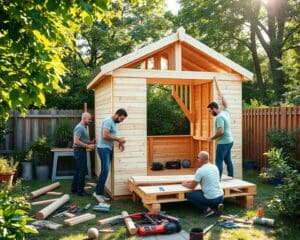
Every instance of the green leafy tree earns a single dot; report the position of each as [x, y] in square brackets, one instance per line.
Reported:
[271, 25]
[134, 25]
[33, 40]
[164, 116]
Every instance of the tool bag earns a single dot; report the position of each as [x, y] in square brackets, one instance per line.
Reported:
[173, 164]
[157, 166]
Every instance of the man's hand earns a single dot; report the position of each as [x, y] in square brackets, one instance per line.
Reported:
[91, 146]
[121, 141]
[209, 139]
[184, 183]
[92, 141]
[121, 147]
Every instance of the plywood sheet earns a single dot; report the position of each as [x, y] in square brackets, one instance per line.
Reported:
[142, 180]
[176, 188]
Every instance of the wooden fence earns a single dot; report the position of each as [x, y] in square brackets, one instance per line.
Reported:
[257, 122]
[37, 123]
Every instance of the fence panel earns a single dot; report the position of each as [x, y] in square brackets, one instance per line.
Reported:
[37, 123]
[256, 124]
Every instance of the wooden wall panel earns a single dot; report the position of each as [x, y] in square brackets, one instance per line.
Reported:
[168, 148]
[130, 93]
[103, 109]
[232, 91]
[203, 125]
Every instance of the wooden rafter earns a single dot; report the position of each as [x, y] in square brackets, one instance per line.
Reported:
[181, 94]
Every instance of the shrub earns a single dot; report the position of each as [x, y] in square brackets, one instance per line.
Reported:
[8, 166]
[63, 133]
[287, 142]
[41, 150]
[14, 215]
[287, 195]
[4, 129]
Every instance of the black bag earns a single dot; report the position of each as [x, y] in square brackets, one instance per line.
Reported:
[173, 164]
[157, 166]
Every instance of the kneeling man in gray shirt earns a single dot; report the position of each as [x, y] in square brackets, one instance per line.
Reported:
[210, 198]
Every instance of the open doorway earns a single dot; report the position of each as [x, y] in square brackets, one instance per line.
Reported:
[177, 125]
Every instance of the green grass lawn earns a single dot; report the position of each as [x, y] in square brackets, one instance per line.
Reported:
[189, 215]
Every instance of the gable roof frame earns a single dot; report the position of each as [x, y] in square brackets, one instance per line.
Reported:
[180, 35]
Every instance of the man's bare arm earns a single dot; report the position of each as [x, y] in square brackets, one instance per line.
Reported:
[224, 101]
[190, 184]
[78, 142]
[108, 137]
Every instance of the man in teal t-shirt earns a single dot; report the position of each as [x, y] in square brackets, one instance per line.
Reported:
[107, 137]
[222, 135]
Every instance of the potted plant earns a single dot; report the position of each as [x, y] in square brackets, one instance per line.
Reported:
[41, 153]
[63, 134]
[27, 166]
[7, 170]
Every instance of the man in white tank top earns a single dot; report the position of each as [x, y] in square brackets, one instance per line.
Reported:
[210, 198]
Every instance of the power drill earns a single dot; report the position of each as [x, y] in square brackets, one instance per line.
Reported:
[163, 228]
[167, 225]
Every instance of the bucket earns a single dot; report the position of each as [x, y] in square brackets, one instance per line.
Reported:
[196, 234]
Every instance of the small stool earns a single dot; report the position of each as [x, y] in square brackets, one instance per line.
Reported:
[67, 152]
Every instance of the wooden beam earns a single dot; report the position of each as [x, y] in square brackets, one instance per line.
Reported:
[215, 55]
[171, 81]
[139, 53]
[45, 212]
[43, 190]
[168, 74]
[183, 107]
[37, 203]
[171, 57]
[203, 61]
[178, 56]
[190, 66]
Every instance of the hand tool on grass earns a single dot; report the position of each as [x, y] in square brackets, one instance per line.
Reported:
[71, 209]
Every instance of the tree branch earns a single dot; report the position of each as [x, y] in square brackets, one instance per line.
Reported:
[290, 33]
[291, 47]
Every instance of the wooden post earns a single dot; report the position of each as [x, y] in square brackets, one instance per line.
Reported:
[43, 190]
[178, 56]
[45, 212]
[87, 128]
[15, 130]
[129, 223]
[43, 202]
[109, 220]
[79, 219]
[150, 157]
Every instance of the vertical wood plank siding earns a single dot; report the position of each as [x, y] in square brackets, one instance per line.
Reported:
[256, 124]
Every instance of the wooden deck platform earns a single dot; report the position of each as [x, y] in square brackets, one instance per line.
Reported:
[154, 190]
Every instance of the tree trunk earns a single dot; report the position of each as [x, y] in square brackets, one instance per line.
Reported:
[256, 62]
[278, 74]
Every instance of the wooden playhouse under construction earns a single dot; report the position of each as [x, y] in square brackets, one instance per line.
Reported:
[190, 67]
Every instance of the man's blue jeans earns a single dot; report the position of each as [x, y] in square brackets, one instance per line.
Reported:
[224, 153]
[105, 155]
[80, 171]
[198, 199]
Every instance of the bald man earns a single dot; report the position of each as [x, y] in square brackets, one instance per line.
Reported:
[210, 198]
[80, 145]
